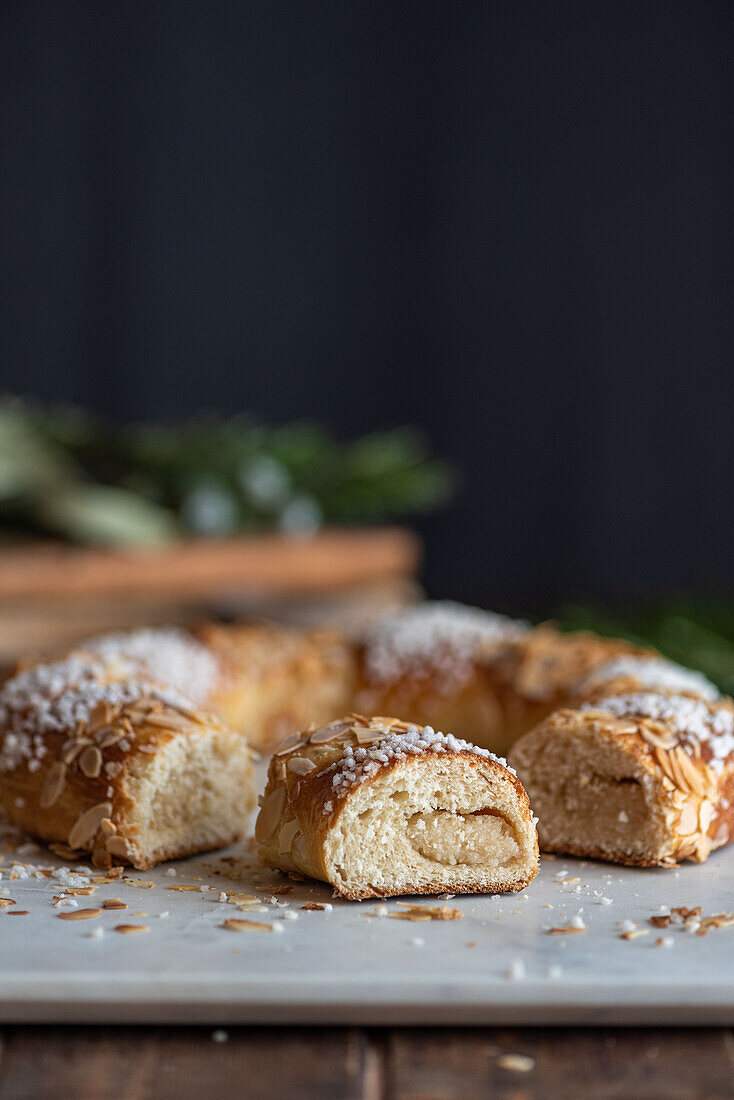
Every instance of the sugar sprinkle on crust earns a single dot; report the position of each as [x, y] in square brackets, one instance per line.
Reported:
[385, 742]
[651, 672]
[442, 639]
[692, 722]
[170, 656]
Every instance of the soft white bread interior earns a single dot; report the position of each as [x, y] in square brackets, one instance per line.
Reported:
[97, 758]
[378, 807]
[641, 779]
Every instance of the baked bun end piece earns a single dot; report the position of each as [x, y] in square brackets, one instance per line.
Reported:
[97, 758]
[379, 807]
[643, 779]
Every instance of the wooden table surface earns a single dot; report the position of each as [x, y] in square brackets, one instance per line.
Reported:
[327, 1063]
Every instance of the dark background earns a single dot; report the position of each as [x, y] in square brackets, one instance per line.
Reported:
[509, 223]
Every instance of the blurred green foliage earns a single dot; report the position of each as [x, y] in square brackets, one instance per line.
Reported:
[694, 631]
[68, 473]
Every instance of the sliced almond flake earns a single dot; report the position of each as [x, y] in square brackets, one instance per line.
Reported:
[71, 749]
[565, 931]
[233, 924]
[64, 851]
[90, 762]
[114, 903]
[5, 903]
[87, 824]
[131, 929]
[300, 765]
[106, 738]
[635, 934]
[270, 813]
[328, 734]
[294, 741]
[53, 785]
[688, 821]
[426, 912]
[118, 846]
[166, 721]
[80, 914]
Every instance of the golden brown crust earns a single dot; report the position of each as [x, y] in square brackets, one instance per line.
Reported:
[76, 786]
[693, 799]
[310, 785]
[503, 695]
[275, 680]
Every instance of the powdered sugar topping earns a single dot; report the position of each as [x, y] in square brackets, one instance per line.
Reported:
[689, 719]
[442, 638]
[361, 762]
[56, 698]
[167, 655]
[652, 672]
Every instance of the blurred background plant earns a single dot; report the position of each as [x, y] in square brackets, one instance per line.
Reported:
[695, 631]
[69, 474]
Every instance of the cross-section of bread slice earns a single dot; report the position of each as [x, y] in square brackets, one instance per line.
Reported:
[378, 807]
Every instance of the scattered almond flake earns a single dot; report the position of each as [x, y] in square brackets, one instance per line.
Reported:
[567, 931]
[235, 925]
[440, 639]
[655, 673]
[516, 1063]
[409, 911]
[313, 905]
[220, 1036]
[571, 881]
[194, 889]
[239, 898]
[664, 941]
[131, 929]
[139, 883]
[660, 922]
[61, 696]
[694, 723]
[635, 933]
[5, 903]
[114, 903]
[80, 914]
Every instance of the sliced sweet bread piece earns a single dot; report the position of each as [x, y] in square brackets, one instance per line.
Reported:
[378, 807]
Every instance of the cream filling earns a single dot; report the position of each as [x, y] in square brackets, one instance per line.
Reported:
[458, 838]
